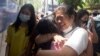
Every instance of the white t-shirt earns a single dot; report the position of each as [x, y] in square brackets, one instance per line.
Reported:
[77, 40]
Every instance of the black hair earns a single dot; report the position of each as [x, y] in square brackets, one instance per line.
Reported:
[80, 14]
[42, 16]
[46, 26]
[95, 13]
[31, 23]
[67, 10]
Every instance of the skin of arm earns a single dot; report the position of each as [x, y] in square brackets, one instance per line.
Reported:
[68, 49]
[65, 51]
[95, 36]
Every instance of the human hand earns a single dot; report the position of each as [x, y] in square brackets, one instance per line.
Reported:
[58, 41]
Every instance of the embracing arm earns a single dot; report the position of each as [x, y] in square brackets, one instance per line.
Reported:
[65, 51]
[73, 47]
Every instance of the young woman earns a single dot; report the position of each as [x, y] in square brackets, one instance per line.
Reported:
[19, 33]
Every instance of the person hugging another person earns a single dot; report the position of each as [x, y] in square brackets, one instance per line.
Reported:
[48, 31]
[75, 41]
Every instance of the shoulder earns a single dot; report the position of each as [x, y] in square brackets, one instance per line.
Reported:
[78, 41]
[10, 28]
[80, 31]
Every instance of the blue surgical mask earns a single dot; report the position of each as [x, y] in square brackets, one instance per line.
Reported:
[24, 18]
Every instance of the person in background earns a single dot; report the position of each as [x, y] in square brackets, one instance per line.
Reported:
[76, 37]
[83, 19]
[97, 28]
[18, 34]
[95, 13]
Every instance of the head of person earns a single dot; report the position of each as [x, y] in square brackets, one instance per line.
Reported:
[95, 13]
[82, 16]
[45, 26]
[26, 15]
[65, 16]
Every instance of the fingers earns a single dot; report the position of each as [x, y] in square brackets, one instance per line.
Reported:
[58, 38]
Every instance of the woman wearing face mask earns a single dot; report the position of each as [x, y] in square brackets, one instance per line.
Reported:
[19, 33]
[83, 17]
[83, 20]
[77, 37]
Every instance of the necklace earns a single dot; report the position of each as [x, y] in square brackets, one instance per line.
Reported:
[68, 30]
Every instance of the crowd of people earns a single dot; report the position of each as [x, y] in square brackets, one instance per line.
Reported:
[63, 33]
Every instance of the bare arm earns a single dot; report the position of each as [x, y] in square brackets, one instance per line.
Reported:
[95, 36]
[72, 47]
[65, 51]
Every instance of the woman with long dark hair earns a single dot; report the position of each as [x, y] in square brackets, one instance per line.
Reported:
[19, 33]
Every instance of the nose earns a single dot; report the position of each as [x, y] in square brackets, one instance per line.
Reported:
[59, 21]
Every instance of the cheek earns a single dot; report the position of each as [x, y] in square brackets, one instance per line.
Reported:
[65, 22]
[83, 19]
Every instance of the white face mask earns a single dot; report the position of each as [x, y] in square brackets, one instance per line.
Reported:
[24, 18]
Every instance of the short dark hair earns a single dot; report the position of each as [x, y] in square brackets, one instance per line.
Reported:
[46, 26]
[95, 13]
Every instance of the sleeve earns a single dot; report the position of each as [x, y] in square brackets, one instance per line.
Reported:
[9, 35]
[78, 41]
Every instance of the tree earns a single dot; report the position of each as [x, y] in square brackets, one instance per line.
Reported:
[93, 3]
[74, 3]
[37, 4]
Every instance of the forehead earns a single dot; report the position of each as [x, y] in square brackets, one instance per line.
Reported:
[59, 12]
[86, 16]
[25, 10]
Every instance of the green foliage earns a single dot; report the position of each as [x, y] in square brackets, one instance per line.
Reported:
[93, 2]
[75, 3]
[60, 1]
